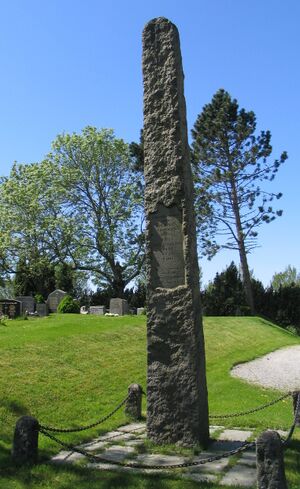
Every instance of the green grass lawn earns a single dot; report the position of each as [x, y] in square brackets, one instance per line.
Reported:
[69, 370]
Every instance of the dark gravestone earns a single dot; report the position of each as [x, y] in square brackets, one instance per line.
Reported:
[25, 444]
[118, 306]
[10, 307]
[54, 299]
[176, 390]
[42, 309]
[27, 302]
[98, 310]
[270, 465]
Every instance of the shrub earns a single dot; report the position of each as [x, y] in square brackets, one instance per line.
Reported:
[68, 305]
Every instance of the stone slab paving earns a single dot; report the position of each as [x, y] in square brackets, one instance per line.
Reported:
[124, 445]
[235, 435]
[240, 475]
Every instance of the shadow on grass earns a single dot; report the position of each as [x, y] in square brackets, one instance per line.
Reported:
[64, 477]
[15, 407]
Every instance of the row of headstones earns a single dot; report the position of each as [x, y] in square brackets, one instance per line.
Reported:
[15, 307]
[117, 306]
[26, 304]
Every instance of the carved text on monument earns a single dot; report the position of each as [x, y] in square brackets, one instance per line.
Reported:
[168, 269]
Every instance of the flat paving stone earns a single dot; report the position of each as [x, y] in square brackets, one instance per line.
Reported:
[136, 427]
[116, 436]
[134, 443]
[67, 457]
[248, 458]
[224, 445]
[199, 477]
[235, 435]
[159, 459]
[240, 475]
[214, 429]
[215, 466]
[90, 447]
[117, 453]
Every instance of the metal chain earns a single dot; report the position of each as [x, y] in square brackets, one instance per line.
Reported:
[83, 428]
[250, 411]
[97, 458]
[290, 433]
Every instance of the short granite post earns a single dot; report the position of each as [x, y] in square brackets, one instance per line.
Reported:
[270, 464]
[25, 444]
[134, 402]
[295, 395]
[177, 404]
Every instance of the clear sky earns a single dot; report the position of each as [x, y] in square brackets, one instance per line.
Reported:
[66, 64]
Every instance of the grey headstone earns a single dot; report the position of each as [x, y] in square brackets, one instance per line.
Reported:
[25, 444]
[177, 390]
[98, 310]
[10, 307]
[54, 299]
[42, 309]
[27, 302]
[270, 464]
[140, 310]
[118, 306]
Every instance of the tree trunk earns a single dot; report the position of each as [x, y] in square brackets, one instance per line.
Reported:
[118, 283]
[242, 251]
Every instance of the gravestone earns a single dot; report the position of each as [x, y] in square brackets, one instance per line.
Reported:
[98, 310]
[27, 302]
[118, 306]
[140, 310]
[42, 309]
[54, 299]
[10, 307]
[177, 410]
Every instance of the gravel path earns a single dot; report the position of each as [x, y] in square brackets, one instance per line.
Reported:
[279, 369]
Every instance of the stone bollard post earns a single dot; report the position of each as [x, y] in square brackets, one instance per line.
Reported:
[25, 444]
[270, 464]
[134, 402]
[295, 395]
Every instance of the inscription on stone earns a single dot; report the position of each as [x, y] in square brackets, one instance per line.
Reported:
[167, 265]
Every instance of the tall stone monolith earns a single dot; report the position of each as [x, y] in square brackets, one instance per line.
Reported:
[176, 387]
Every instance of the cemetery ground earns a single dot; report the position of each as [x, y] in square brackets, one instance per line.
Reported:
[70, 370]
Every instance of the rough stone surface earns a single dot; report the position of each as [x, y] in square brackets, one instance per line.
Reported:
[240, 475]
[270, 465]
[25, 444]
[176, 390]
[117, 453]
[42, 310]
[133, 407]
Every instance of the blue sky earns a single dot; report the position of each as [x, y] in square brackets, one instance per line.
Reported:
[67, 64]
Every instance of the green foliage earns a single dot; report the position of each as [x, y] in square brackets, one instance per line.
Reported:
[82, 206]
[68, 305]
[61, 357]
[39, 299]
[230, 164]
[289, 277]
[225, 295]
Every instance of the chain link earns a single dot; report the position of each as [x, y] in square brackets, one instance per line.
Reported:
[97, 458]
[83, 428]
[250, 411]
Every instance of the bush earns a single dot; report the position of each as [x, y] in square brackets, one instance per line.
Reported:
[68, 305]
